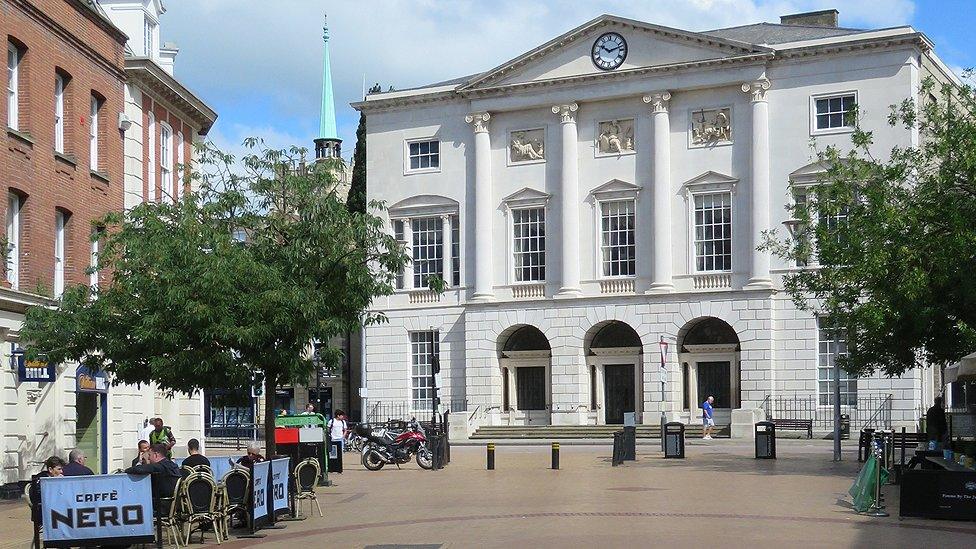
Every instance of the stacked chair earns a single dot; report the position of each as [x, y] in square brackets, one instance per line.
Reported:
[306, 476]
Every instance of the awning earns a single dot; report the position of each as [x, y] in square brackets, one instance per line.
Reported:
[964, 370]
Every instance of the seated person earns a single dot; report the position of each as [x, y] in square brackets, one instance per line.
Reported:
[195, 457]
[142, 458]
[76, 464]
[53, 467]
[165, 473]
[253, 456]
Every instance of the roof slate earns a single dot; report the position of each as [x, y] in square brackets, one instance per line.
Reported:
[772, 33]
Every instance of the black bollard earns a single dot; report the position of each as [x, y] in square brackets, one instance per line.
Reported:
[491, 456]
[555, 455]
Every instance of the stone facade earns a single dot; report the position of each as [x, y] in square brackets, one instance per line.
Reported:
[762, 108]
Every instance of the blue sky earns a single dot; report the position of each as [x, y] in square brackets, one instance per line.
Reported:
[260, 68]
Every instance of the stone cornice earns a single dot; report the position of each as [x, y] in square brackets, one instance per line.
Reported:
[146, 74]
[913, 39]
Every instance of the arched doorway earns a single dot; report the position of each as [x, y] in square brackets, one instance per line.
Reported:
[526, 388]
[709, 357]
[613, 356]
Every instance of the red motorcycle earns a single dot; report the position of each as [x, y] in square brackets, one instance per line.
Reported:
[390, 444]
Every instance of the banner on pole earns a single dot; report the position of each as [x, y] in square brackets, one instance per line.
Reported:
[260, 474]
[97, 510]
[279, 484]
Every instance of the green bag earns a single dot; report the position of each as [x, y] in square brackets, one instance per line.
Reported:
[863, 489]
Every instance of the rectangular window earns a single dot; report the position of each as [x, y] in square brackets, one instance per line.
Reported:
[59, 113]
[617, 244]
[425, 155]
[428, 249]
[424, 346]
[165, 160]
[93, 135]
[456, 251]
[529, 244]
[831, 344]
[149, 39]
[13, 240]
[96, 243]
[713, 232]
[59, 221]
[834, 112]
[180, 168]
[151, 185]
[398, 235]
[13, 77]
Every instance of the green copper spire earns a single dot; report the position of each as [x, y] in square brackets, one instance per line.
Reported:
[327, 130]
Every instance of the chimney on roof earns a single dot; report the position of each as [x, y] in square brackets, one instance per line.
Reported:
[822, 18]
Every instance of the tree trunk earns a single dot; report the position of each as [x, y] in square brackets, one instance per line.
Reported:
[270, 386]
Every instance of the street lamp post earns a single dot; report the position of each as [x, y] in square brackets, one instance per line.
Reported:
[793, 226]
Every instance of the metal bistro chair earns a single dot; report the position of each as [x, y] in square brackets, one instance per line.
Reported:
[234, 499]
[199, 503]
[186, 471]
[306, 476]
[169, 515]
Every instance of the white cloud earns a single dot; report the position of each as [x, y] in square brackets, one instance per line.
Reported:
[265, 64]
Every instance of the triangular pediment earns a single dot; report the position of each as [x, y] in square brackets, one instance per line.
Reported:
[616, 188]
[526, 196]
[648, 45]
[711, 178]
[809, 174]
[424, 205]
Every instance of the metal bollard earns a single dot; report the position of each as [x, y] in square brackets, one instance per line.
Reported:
[555, 455]
[877, 508]
[491, 456]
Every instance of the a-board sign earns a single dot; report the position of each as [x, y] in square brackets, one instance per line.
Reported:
[97, 510]
[279, 485]
[260, 474]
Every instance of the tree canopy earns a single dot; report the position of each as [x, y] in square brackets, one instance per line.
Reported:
[888, 241]
[356, 202]
[229, 286]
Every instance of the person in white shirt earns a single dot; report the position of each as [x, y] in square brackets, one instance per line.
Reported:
[148, 428]
[337, 428]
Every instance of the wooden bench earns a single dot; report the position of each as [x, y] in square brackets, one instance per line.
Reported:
[795, 425]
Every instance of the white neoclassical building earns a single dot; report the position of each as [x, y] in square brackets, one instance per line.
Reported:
[596, 203]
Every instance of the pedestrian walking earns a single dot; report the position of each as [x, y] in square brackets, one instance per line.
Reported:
[337, 429]
[162, 435]
[76, 465]
[708, 420]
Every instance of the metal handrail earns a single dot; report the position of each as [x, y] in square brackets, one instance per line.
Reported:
[885, 405]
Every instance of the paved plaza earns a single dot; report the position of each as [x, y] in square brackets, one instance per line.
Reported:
[718, 496]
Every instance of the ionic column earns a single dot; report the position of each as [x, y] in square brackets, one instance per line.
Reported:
[569, 203]
[483, 285]
[408, 268]
[759, 183]
[661, 193]
[446, 249]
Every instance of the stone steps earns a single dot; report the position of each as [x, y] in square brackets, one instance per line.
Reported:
[579, 431]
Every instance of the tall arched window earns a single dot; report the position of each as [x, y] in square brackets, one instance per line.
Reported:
[180, 165]
[152, 189]
[165, 159]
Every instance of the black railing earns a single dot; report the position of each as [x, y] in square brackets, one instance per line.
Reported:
[385, 410]
[870, 411]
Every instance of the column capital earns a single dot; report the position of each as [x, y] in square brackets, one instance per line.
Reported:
[757, 89]
[479, 120]
[658, 100]
[445, 217]
[567, 112]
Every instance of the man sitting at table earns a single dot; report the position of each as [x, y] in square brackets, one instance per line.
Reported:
[935, 423]
[253, 456]
[165, 473]
[195, 458]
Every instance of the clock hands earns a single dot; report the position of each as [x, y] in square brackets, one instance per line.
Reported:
[609, 50]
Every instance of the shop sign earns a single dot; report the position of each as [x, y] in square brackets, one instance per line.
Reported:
[88, 381]
[31, 370]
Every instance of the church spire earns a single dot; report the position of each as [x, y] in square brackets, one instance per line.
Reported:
[328, 143]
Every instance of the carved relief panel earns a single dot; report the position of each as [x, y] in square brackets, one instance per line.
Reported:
[615, 137]
[711, 127]
[527, 146]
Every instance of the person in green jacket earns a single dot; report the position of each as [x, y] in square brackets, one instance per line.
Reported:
[162, 435]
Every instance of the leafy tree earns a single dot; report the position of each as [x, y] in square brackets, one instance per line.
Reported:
[228, 287]
[356, 201]
[890, 242]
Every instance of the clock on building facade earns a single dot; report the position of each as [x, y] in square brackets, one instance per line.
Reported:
[609, 51]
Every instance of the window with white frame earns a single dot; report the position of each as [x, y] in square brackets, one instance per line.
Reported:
[59, 223]
[424, 155]
[13, 239]
[529, 244]
[831, 344]
[149, 38]
[59, 113]
[428, 249]
[153, 191]
[455, 252]
[800, 204]
[400, 237]
[713, 232]
[93, 134]
[617, 238]
[834, 112]
[96, 243]
[424, 346]
[180, 161]
[165, 159]
[13, 81]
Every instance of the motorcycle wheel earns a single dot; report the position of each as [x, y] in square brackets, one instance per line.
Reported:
[425, 459]
[372, 461]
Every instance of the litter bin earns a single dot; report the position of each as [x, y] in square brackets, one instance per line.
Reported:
[845, 426]
[630, 443]
[765, 440]
[674, 440]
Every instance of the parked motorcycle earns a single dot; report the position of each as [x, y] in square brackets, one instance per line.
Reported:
[397, 446]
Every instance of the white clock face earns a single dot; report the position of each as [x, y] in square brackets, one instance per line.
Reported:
[609, 51]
